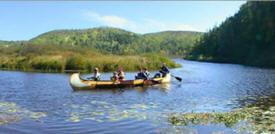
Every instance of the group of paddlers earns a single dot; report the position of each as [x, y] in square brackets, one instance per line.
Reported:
[142, 74]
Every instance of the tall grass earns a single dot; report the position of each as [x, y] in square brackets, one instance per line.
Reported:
[106, 63]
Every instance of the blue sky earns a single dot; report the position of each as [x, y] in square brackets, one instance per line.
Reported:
[25, 20]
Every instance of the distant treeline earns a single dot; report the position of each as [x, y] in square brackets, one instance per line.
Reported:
[247, 38]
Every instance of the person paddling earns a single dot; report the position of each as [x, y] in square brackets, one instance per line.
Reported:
[121, 75]
[140, 74]
[146, 73]
[96, 76]
[164, 70]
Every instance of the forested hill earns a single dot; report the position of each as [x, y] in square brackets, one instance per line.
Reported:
[176, 42]
[118, 41]
[174, 34]
[106, 40]
[248, 37]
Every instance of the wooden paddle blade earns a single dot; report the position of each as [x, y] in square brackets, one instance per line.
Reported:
[178, 78]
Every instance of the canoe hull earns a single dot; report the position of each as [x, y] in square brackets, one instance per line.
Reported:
[80, 84]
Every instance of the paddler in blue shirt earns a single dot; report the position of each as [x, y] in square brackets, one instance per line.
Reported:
[164, 70]
[140, 75]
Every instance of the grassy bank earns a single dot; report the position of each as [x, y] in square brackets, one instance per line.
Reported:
[106, 63]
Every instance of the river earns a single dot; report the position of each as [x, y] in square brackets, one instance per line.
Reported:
[44, 103]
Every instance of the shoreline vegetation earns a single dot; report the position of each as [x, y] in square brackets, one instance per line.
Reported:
[80, 63]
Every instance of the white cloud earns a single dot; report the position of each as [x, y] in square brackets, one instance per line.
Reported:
[112, 20]
[149, 25]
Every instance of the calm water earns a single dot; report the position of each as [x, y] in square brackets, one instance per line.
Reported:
[32, 103]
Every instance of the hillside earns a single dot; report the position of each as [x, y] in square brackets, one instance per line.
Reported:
[175, 42]
[105, 40]
[248, 37]
[118, 41]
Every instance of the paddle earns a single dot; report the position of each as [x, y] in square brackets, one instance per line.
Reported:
[178, 78]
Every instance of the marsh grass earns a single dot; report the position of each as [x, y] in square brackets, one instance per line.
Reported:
[106, 63]
[60, 58]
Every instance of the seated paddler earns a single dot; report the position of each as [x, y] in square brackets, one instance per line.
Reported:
[141, 75]
[96, 76]
[121, 75]
[164, 70]
[146, 72]
[115, 76]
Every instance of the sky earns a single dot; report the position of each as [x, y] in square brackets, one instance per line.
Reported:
[26, 20]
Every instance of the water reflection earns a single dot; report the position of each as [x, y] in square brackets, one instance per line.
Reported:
[141, 89]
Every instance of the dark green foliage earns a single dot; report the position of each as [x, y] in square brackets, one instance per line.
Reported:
[248, 37]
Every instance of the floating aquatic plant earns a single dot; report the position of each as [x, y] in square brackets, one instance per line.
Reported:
[258, 119]
[103, 111]
[11, 113]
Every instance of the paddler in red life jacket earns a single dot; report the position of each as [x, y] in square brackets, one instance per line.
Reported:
[121, 75]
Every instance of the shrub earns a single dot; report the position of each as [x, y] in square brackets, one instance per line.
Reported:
[76, 62]
[48, 64]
